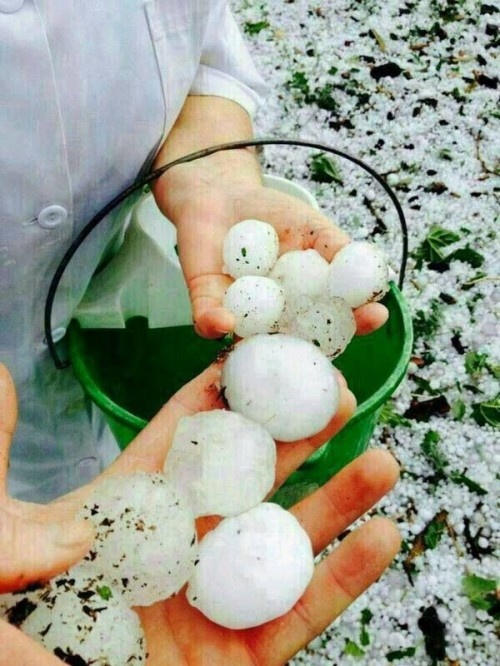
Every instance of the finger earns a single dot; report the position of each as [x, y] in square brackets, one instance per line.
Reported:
[338, 580]
[347, 496]
[8, 420]
[211, 320]
[290, 455]
[369, 317]
[34, 551]
[19, 650]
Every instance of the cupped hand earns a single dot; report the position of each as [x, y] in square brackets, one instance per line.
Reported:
[206, 197]
[37, 542]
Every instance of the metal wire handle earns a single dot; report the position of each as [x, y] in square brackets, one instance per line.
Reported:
[191, 158]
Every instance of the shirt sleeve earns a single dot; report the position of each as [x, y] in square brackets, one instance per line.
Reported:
[226, 68]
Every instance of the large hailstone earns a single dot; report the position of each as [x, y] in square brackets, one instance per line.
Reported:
[257, 303]
[359, 274]
[253, 568]
[222, 461]
[79, 618]
[250, 247]
[327, 322]
[145, 542]
[282, 382]
[303, 276]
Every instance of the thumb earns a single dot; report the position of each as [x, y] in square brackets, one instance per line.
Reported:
[32, 552]
[8, 420]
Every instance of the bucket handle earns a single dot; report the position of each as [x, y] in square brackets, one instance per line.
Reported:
[191, 158]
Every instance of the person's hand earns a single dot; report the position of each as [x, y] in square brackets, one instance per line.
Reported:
[177, 633]
[206, 197]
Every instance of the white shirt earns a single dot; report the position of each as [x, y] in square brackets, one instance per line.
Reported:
[88, 91]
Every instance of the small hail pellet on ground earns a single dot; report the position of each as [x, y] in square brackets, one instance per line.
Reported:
[145, 541]
[222, 461]
[257, 303]
[282, 382]
[267, 564]
[79, 618]
[251, 247]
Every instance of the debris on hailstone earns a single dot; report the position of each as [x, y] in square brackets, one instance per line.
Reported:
[222, 461]
[328, 323]
[80, 618]
[358, 274]
[145, 536]
[257, 303]
[282, 382]
[267, 564]
[250, 247]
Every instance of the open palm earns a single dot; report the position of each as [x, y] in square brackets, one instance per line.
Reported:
[37, 542]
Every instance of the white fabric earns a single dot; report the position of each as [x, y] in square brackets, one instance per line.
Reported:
[88, 91]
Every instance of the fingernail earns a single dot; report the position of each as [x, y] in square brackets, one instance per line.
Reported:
[72, 534]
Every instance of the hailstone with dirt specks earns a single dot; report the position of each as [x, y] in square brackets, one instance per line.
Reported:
[145, 541]
[257, 303]
[250, 247]
[359, 274]
[327, 322]
[267, 564]
[222, 461]
[79, 618]
[282, 382]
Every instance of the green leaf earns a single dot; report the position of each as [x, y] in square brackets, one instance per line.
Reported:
[431, 450]
[481, 591]
[389, 417]
[487, 412]
[475, 362]
[458, 410]
[299, 83]
[474, 487]
[433, 532]
[445, 154]
[104, 592]
[353, 650]
[467, 255]
[400, 654]
[430, 250]
[491, 411]
[366, 617]
[426, 324]
[325, 170]
[255, 28]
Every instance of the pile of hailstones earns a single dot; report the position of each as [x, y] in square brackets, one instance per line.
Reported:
[295, 314]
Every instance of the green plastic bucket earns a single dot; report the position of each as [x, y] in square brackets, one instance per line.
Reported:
[130, 373]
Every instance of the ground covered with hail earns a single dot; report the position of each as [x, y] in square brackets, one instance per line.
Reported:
[411, 88]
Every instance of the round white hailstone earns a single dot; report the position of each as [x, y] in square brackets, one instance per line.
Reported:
[327, 323]
[282, 382]
[303, 275]
[250, 247]
[79, 618]
[222, 461]
[145, 536]
[257, 303]
[253, 568]
[359, 274]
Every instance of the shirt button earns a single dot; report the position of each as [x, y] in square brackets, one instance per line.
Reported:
[87, 469]
[52, 216]
[57, 334]
[10, 6]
